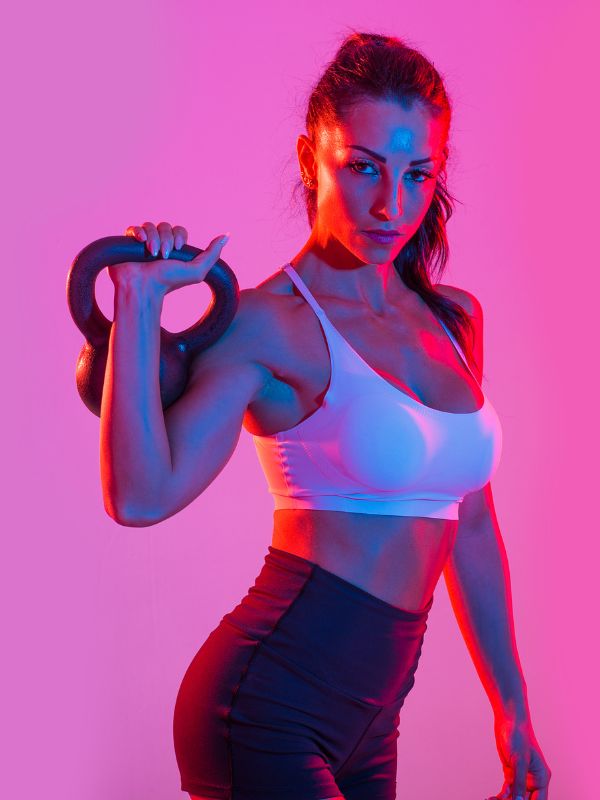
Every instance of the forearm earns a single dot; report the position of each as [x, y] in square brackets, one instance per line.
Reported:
[478, 581]
[135, 457]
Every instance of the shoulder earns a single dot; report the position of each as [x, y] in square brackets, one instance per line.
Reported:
[262, 317]
[473, 307]
[256, 319]
[464, 298]
[247, 338]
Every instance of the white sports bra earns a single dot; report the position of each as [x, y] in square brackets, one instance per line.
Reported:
[370, 448]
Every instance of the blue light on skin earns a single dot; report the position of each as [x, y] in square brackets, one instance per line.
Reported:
[358, 191]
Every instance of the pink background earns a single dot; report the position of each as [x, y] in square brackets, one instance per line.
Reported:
[189, 112]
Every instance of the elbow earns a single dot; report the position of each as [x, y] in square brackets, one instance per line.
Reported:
[131, 518]
[134, 522]
[130, 511]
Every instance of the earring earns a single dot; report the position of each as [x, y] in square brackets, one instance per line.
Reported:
[308, 181]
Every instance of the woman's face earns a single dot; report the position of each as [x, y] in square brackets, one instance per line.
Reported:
[357, 190]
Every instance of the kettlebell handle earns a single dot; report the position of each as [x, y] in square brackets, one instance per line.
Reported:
[177, 349]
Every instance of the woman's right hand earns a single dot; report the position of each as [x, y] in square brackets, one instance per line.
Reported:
[166, 274]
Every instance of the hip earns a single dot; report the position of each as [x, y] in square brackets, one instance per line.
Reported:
[299, 687]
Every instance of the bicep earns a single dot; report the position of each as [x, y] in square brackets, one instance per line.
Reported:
[476, 511]
[205, 423]
[204, 427]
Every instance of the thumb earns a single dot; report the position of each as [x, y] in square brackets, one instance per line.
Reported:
[220, 241]
[212, 252]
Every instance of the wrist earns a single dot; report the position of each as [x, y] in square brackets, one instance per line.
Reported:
[514, 707]
[131, 287]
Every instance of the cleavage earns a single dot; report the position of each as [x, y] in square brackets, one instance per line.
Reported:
[429, 343]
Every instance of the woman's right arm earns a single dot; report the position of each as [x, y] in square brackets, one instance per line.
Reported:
[135, 457]
[153, 462]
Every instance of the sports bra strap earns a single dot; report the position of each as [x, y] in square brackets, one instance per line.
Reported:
[455, 342]
[304, 291]
[310, 299]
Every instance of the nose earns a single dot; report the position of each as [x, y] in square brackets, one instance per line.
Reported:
[392, 198]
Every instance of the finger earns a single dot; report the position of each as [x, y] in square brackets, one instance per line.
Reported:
[180, 236]
[166, 238]
[135, 230]
[520, 777]
[540, 794]
[152, 237]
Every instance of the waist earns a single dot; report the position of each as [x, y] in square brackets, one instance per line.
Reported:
[398, 559]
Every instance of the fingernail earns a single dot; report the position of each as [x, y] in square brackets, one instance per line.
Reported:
[225, 237]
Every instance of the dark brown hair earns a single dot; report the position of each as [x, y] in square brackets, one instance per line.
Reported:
[370, 65]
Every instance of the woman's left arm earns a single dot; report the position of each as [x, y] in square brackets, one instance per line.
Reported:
[478, 581]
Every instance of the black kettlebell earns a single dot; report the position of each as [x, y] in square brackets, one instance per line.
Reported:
[176, 349]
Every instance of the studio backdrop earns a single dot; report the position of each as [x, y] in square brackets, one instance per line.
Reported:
[118, 113]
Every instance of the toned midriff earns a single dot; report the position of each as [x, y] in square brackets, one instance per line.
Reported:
[398, 559]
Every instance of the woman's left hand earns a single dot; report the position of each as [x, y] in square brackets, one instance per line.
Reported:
[526, 773]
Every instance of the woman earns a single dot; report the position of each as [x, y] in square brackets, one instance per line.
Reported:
[359, 380]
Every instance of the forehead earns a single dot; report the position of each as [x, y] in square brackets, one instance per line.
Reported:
[388, 128]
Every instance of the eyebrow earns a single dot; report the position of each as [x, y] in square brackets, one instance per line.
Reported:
[383, 159]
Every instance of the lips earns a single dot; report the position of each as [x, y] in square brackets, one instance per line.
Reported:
[381, 238]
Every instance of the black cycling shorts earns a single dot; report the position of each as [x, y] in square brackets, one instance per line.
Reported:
[296, 694]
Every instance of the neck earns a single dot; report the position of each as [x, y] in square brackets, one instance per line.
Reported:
[377, 286]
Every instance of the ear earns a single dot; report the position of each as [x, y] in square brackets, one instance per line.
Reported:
[306, 156]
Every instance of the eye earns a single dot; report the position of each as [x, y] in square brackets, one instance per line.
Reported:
[355, 166]
[426, 175]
